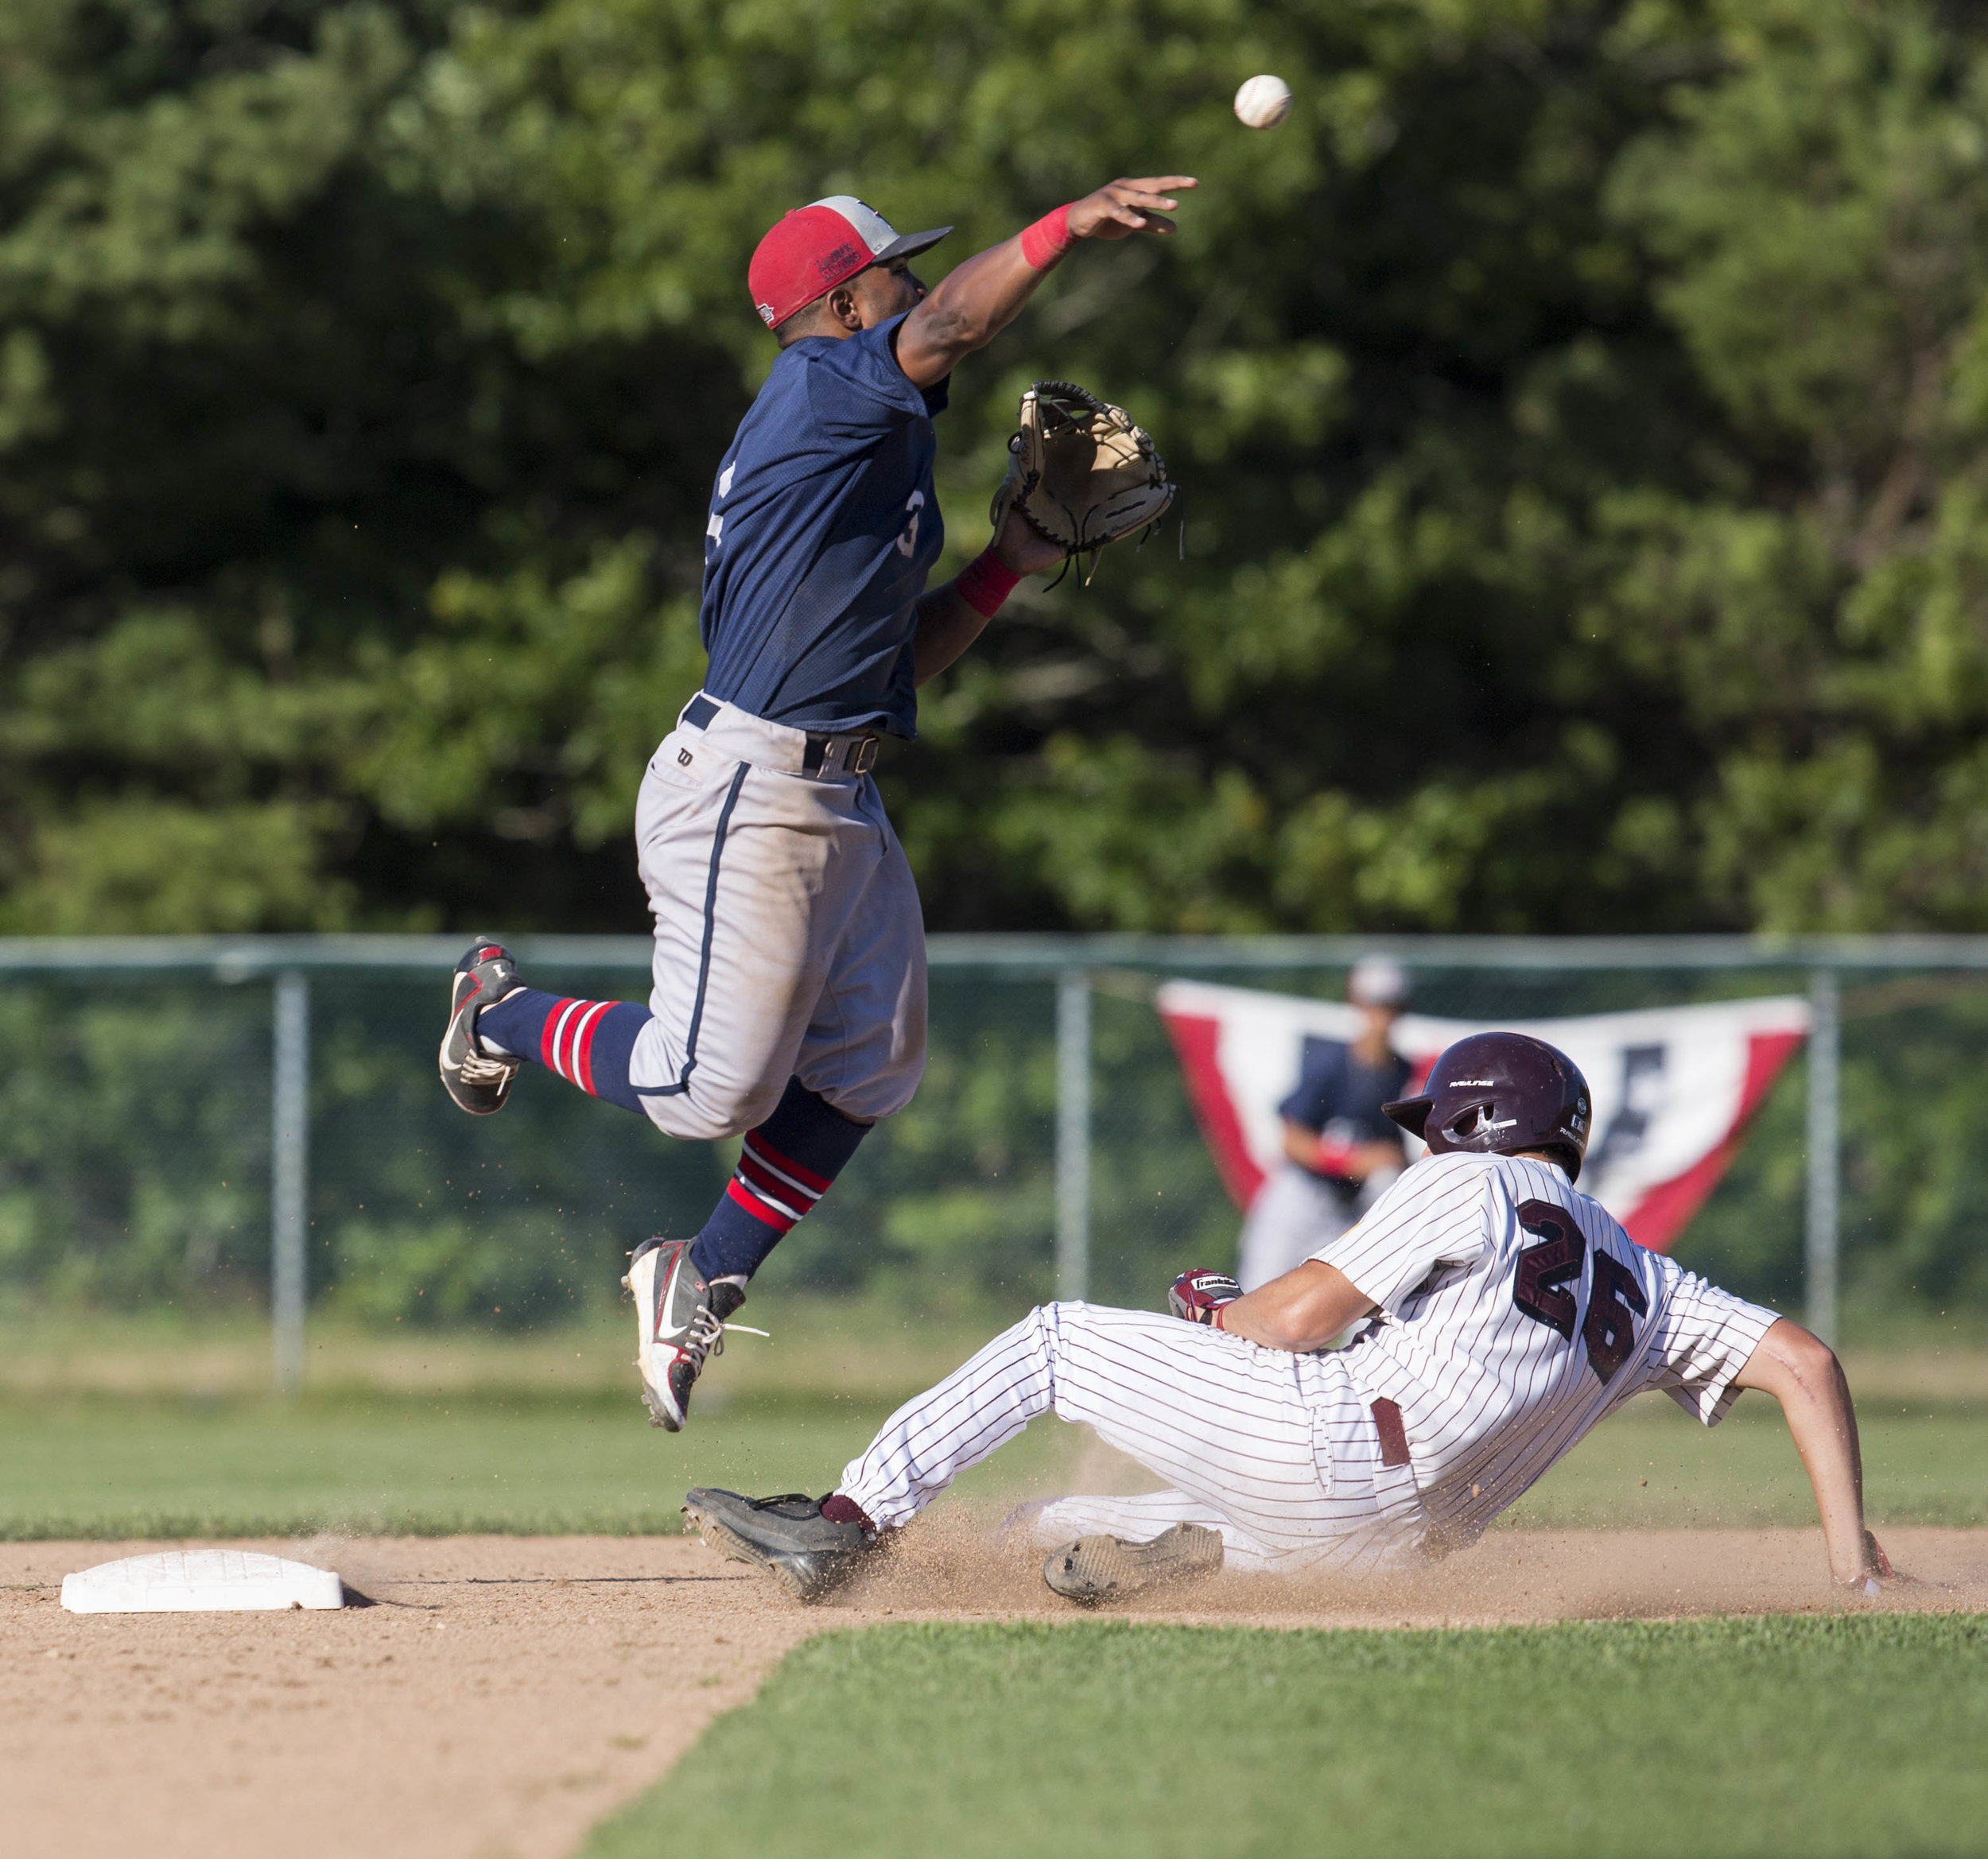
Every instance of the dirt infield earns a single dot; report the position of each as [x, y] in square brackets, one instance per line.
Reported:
[503, 1692]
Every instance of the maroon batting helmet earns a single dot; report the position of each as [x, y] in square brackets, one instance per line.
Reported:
[1497, 1093]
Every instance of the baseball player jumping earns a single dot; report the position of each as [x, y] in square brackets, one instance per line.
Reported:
[1504, 1315]
[788, 1000]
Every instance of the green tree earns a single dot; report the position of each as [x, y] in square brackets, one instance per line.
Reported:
[1577, 408]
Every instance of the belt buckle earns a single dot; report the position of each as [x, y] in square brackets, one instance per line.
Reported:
[865, 756]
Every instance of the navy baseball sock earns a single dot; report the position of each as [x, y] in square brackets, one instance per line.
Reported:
[786, 1166]
[588, 1043]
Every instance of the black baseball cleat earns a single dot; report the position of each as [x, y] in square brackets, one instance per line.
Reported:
[806, 1553]
[1098, 1569]
[477, 1082]
[679, 1325]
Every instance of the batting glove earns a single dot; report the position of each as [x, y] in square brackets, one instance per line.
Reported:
[1198, 1295]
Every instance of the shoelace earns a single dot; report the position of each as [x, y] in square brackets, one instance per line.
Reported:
[476, 1069]
[705, 1337]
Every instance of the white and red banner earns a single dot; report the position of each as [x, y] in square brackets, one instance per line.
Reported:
[1674, 1087]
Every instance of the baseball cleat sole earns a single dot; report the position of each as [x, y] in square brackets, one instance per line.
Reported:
[1094, 1570]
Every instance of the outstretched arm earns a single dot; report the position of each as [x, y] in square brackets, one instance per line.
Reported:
[1801, 1371]
[982, 295]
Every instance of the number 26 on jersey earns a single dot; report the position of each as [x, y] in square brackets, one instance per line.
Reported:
[1547, 1287]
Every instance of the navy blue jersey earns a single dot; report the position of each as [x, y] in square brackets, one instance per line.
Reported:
[1335, 1090]
[824, 525]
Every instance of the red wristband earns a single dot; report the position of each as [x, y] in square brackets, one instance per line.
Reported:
[1047, 240]
[1215, 1319]
[984, 582]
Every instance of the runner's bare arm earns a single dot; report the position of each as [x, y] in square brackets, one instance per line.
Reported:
[1302, 1310]
[1801, 1371]
[982, 295]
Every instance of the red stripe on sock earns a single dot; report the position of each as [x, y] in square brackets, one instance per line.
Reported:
[548, 1038]
[562, 1046]
[780, 1222]
[755, 1141]
[784, 1201]
[583, 1044]
[568, 1027]
[759, 1176]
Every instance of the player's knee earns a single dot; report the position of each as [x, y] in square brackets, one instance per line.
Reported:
[711, 1112]
[875, 1098]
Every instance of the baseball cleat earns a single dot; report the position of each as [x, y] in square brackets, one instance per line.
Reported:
[1096, 1569]
[478, 1083]
[804, 1551]
[679, 1324]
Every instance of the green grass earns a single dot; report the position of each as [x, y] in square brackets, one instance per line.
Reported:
[91, 1468]
[151, 1465]
[157, 1425]
[1924, 1462]
[1805, 1736]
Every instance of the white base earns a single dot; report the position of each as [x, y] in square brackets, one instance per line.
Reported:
[200, 1581]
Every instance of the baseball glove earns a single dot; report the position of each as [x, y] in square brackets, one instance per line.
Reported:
[1080, 472]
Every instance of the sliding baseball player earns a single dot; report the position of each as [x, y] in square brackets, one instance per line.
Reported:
[1504, 1315]
[788, 996]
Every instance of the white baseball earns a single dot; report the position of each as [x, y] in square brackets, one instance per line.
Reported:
[1264, 102]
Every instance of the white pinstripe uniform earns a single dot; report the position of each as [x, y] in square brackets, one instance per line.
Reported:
[1515, 1313]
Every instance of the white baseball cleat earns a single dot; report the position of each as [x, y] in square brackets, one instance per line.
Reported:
[677, 1326]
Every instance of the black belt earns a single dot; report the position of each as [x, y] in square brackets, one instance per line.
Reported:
[852, 754]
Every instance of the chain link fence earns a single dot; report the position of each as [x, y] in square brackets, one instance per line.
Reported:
[256, 1122]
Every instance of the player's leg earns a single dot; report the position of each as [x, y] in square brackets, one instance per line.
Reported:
[864, 1051]
[612, 1049]
[1224, 1423]
[736, 860]
[860, 1058]
[811, 872]
[496, 1022]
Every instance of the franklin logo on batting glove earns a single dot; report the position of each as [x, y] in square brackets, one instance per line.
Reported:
[1198, 1296]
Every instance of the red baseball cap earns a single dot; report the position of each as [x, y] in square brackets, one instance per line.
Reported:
[814, 248]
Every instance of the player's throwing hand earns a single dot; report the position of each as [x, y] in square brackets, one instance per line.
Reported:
[1199, 1296]
[1121, 207]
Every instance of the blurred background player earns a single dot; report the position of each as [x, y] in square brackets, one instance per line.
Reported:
[788, 1003]
[1340, 1150]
